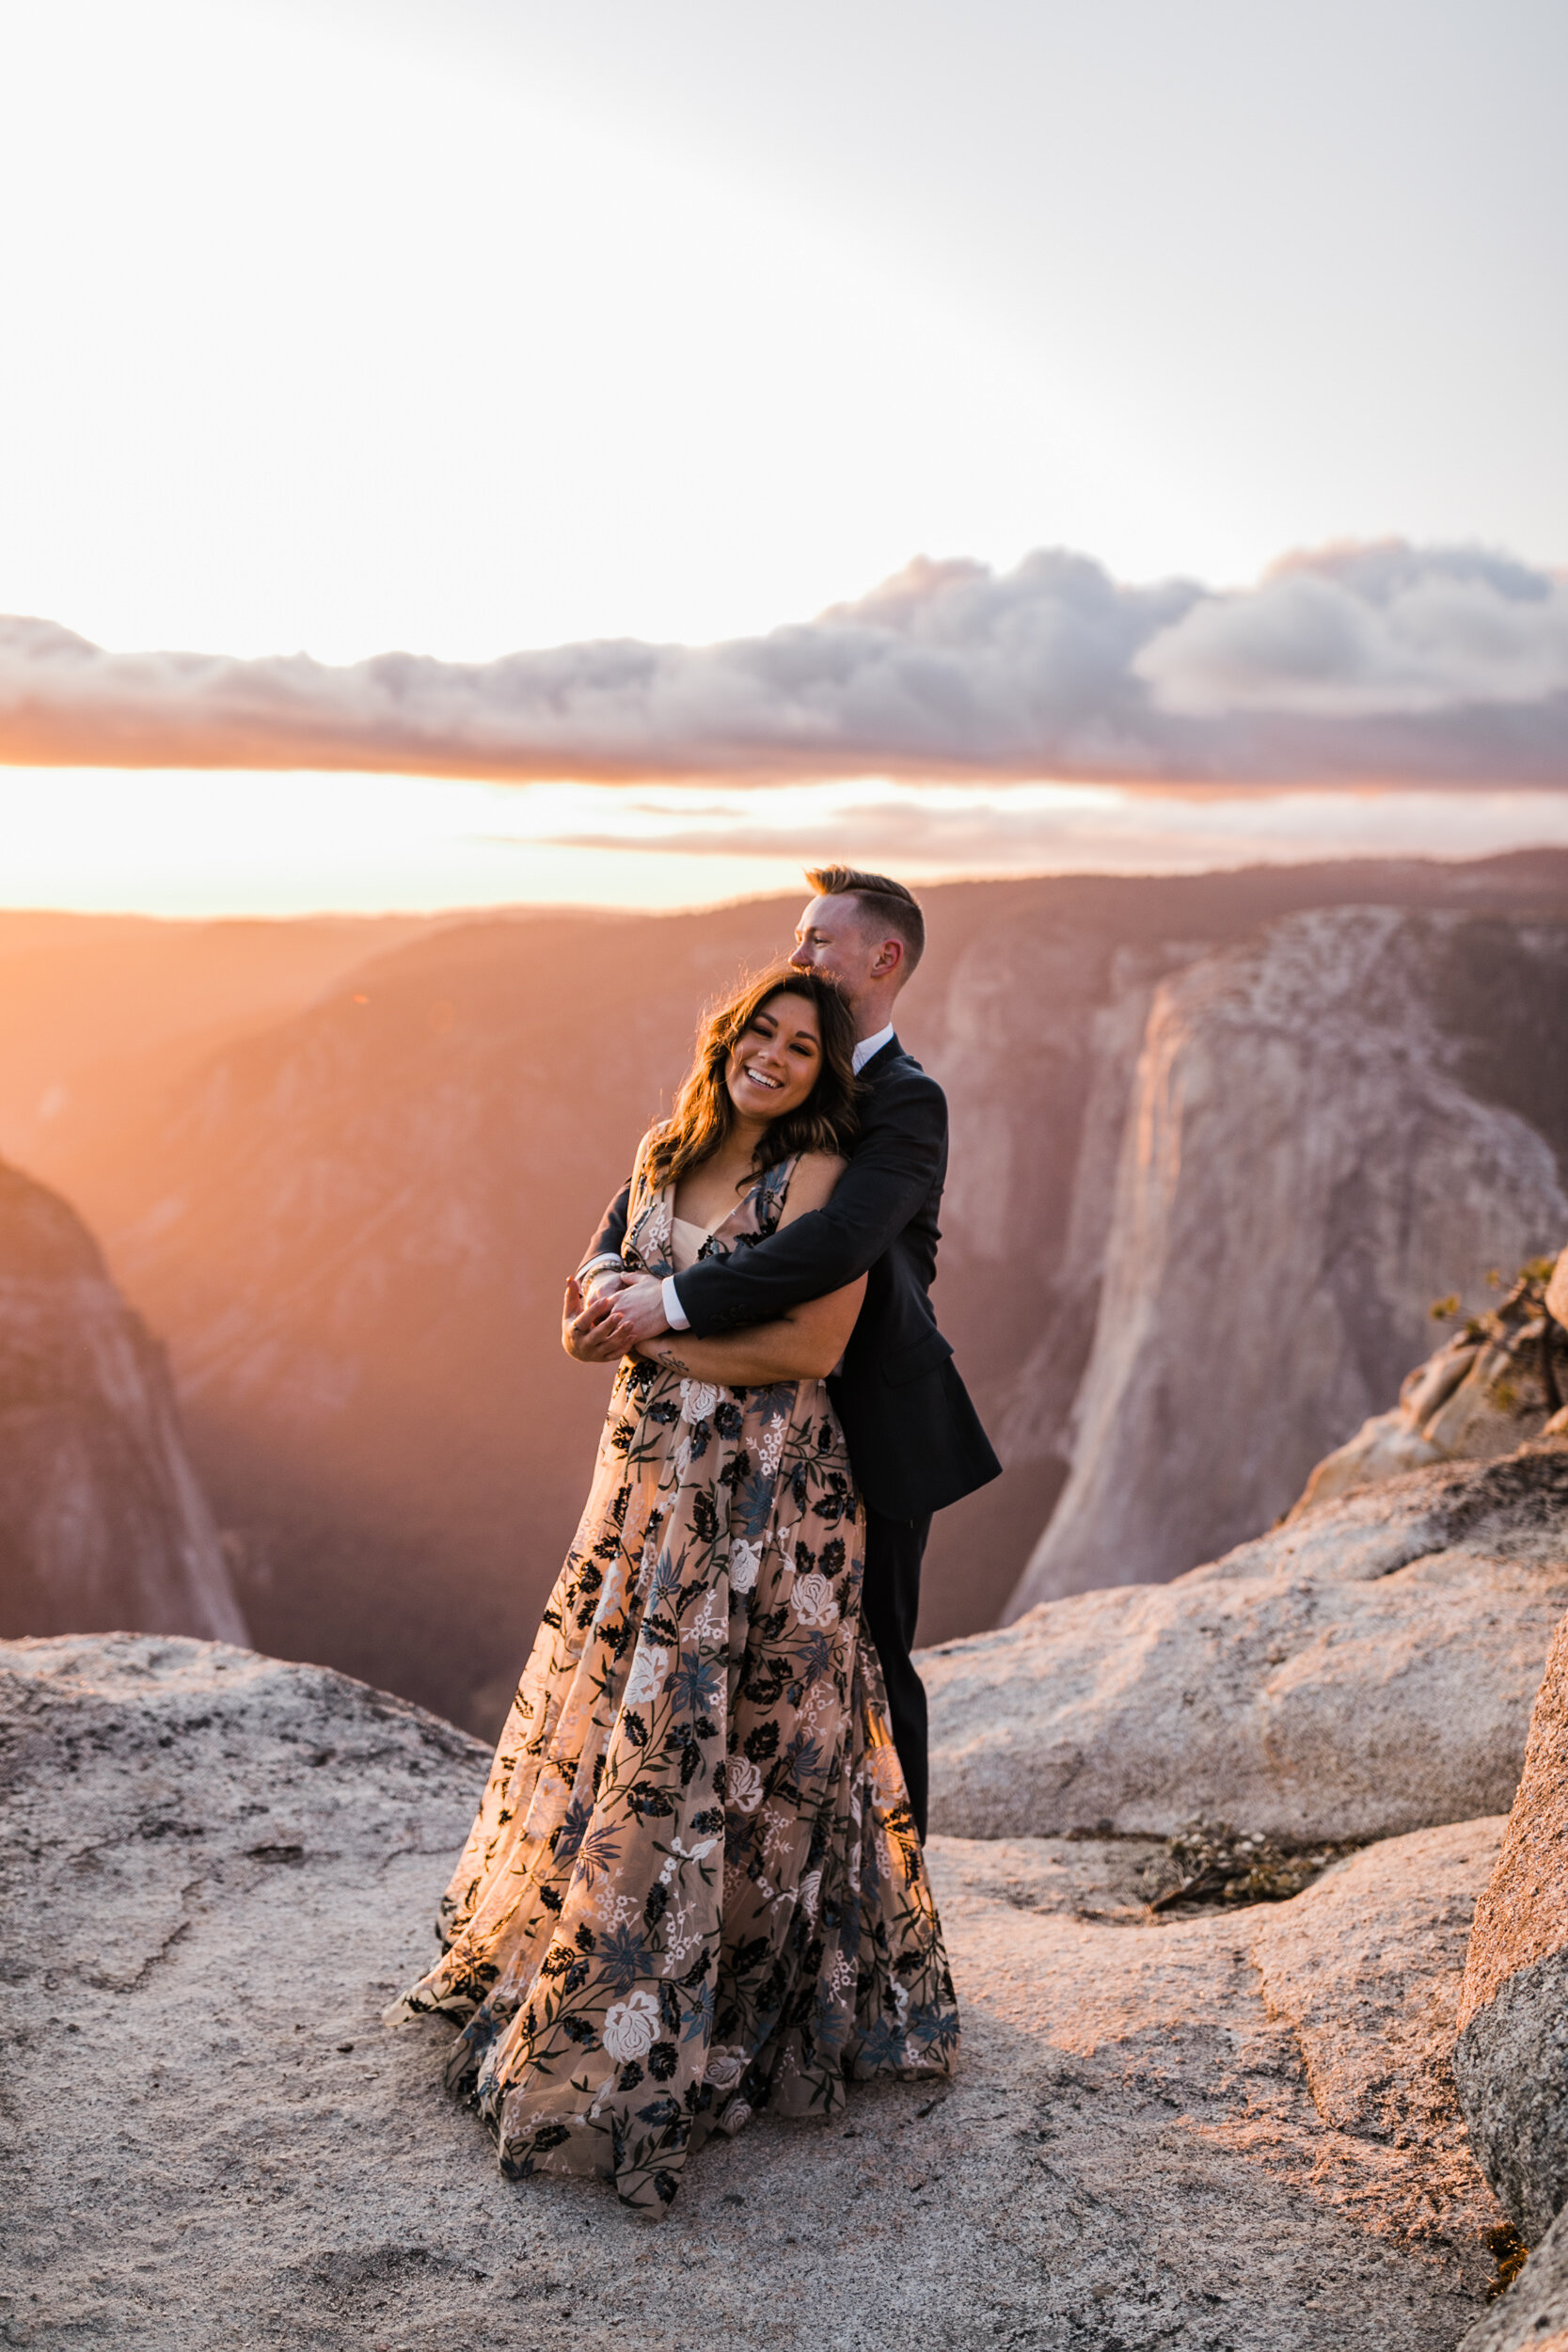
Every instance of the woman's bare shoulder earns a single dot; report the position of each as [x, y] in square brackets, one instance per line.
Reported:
[812, 1182]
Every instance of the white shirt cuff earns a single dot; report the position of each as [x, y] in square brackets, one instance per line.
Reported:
[673, 1314]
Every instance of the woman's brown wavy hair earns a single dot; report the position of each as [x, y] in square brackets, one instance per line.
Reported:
[704, 1114]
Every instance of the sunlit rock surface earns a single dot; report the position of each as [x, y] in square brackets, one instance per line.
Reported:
[102, 1521]
[1230, 2129]
[1328, 1125]
[1511, 2062]
[1366, 1669]
[1497, 1383]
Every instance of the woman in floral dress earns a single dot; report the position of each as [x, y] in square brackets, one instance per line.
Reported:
[694, 1887]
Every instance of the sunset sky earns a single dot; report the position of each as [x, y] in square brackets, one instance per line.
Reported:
[486, 330]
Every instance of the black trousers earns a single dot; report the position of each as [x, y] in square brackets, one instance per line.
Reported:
[889, 1607]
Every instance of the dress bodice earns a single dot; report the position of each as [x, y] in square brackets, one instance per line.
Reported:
[686, 1241]
[659, 1242]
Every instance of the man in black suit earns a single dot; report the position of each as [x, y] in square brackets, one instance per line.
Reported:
[915, 1440]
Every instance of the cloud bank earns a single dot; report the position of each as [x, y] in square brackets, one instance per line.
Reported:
[1387, 663]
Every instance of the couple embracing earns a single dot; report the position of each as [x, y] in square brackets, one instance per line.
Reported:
[695, 1886]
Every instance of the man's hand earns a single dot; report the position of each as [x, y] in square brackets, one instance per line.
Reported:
[637, 1311]
[583, 1333]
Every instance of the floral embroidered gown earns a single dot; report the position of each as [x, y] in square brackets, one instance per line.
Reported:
[694, 1887]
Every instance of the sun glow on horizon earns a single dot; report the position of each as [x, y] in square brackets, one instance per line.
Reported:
[196, 844]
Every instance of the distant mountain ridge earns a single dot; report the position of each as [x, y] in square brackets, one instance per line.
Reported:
[353, 1224]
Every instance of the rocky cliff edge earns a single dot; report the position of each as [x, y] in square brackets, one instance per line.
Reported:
[1212, 2130]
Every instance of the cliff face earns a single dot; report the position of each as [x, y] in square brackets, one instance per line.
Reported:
[1325, 1126]
[102, 1521]
[99, 1011]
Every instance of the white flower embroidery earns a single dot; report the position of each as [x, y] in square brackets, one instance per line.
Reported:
[631, 2027]
[744, 1782]
[697, 1400]
[887, 1773]
[679, 1853]
[736, 2116]
[650, 1552]
[745, 1565]
[812, 1600]
[725, 2068]
[655, 1231]
[710, 1622]
[648, 1670]
[771, 1450]
[810, 1893]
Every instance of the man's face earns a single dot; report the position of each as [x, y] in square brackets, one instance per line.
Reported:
[831, 938]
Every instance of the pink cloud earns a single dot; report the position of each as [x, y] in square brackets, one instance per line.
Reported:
[1389, 663]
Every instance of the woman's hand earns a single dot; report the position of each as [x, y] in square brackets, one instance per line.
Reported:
[583, 1332]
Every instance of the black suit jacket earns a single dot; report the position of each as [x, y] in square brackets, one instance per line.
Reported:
[915, 1440]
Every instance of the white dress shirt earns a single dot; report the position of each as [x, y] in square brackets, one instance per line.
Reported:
[869, 1046]
[673, 1314]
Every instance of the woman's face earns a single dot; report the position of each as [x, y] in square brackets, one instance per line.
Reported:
[773, 1064]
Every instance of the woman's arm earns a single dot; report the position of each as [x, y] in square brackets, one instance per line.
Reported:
[804, 1344]
[897, 1162]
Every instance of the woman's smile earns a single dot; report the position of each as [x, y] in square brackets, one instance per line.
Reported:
[775, 1063]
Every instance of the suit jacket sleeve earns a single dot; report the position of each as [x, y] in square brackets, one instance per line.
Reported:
[896, 1162]
[612, 1229]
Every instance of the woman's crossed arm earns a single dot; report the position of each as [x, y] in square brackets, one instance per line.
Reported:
[804, 1344]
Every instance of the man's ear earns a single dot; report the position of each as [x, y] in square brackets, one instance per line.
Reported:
[889, 956]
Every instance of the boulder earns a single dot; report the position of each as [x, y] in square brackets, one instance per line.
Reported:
[1512, 2059]
[1557, 1291]
[103, 1521]
[1499, 1383]
[1182, 2132]
[1364, 1670]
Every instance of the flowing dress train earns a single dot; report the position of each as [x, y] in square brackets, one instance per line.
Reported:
[694, 1887]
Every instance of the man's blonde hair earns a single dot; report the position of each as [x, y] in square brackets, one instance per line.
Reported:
[884, 903]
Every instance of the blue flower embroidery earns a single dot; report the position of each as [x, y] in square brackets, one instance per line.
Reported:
[624, 1957]
[697, 1685]
[881, 2044]
[598, 1855]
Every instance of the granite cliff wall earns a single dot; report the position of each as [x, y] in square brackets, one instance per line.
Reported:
[103, 1522]
[1326, 1126]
